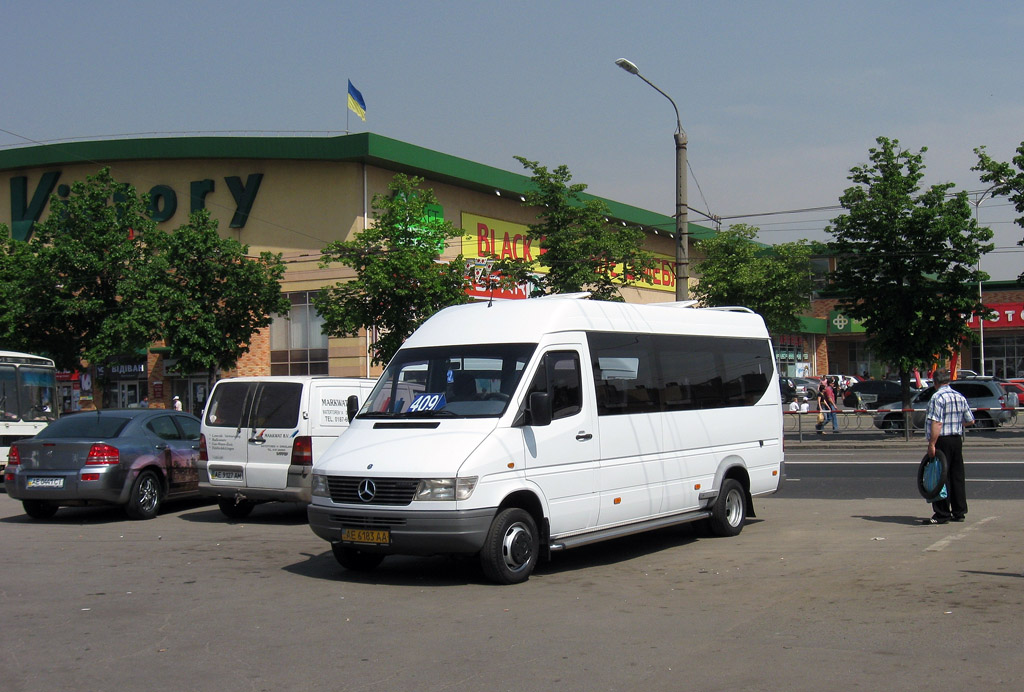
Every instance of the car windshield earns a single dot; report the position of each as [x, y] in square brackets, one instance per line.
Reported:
[85, 425]
[474, 381]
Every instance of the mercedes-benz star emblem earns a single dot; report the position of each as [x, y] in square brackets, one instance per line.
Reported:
[366, 490]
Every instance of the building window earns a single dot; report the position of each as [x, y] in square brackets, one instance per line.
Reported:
[298, 345]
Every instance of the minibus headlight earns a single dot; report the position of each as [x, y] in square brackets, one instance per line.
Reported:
[319, 485]
[445, 488]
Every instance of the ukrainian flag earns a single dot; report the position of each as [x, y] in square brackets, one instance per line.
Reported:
[355, 102]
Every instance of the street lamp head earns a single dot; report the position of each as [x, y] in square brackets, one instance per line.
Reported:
[627, 66]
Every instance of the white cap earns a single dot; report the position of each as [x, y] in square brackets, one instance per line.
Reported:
[175, 398]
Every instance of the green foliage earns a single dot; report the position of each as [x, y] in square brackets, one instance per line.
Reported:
[399, 282]
[215, 296]
[580, 248]
[907, 260]
[84, 285]
[1005, 181]
[772, 281]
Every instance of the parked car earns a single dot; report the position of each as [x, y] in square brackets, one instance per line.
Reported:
[844, 381]
[806, 386]
[872, 394]
[994, 406]
[135, 458]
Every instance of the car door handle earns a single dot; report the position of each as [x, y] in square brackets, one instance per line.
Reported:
[257, 441]
[161, 446]
[582, 436]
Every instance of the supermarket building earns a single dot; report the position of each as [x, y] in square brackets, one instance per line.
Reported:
[294, 195]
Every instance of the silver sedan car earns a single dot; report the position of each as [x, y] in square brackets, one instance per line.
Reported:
[134, 458]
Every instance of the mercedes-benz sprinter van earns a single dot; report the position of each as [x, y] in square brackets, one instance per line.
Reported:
[512, 429]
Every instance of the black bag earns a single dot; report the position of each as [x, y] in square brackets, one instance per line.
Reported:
[932, 474]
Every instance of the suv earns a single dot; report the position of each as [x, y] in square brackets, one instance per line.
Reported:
[991, 406]
[872, 394]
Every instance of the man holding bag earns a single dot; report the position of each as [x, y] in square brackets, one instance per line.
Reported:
[948, 413]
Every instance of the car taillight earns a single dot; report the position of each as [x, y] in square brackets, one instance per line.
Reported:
[103, 455]
[13, 457]
[302, 451]
[203, 456]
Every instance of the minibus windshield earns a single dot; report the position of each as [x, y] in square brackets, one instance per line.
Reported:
[464, 381]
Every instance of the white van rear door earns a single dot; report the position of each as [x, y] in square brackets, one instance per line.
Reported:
[274, 423]
[225, 429]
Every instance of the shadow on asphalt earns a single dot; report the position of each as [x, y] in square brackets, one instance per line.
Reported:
[403, 570]
[904, 520]
[102, 514]
[276, 513]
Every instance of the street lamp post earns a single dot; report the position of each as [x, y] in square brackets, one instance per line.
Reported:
[682, 225]
[981, 319]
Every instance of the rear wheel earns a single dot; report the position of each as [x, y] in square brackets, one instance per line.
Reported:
[511, 548]
[730, 509]
[355, 559]
[39, 509]
[236, 510]
[983, 421]
[146, 496]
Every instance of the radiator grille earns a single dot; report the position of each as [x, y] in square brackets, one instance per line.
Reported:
[385, 491]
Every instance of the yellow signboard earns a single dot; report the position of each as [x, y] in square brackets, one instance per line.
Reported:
[483, 237]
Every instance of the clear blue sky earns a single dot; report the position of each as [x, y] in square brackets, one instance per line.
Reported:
[779, 99]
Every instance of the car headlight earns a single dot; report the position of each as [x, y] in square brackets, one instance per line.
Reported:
[319, 485]
[445, 488]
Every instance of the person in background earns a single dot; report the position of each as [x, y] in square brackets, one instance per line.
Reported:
[948, 413]
[144, 403]
[830, 397]
[176, 402]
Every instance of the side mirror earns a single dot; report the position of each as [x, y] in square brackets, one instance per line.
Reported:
[540, 408]
[352, 407]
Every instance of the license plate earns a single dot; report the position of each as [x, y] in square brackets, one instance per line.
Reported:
[376, 537]
[45, 482]
[869, 398]
[221, 475]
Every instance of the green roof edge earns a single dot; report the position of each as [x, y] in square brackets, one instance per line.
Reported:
[365, 147]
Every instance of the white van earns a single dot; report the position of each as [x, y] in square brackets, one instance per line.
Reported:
[523, 427]
[261, 435]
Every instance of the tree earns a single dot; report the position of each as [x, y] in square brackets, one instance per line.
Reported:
[772, 281]
[84, 285]
[1005, 181]
[215, 296]
[580, 248]
[399, 282]
[907, 262]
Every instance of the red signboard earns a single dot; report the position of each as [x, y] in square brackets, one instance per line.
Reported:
[1003, 316]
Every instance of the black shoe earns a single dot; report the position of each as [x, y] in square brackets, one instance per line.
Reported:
[957, 519]
[933, 520]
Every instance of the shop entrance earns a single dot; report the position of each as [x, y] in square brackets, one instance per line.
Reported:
[127, 395]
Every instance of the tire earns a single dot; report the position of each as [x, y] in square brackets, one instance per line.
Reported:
[39, 509]
[354, 559]
[893, 425]
[983, 421]
[146, 497]
[730, 509]
[236, 510]
[511, 548]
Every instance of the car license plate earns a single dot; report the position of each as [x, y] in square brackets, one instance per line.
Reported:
[869, 398]
[376, 537]
[222, 475]
[45, 482]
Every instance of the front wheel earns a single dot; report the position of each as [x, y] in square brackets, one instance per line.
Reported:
[39, 509]
[355, 559]
[146, 496]
[730, 509]
[511, 548]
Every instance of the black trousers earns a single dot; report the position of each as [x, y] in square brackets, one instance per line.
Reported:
[955, 503]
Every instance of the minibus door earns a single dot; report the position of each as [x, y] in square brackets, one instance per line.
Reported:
[562, 457]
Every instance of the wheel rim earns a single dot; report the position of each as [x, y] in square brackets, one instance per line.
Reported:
[148, 494]
[734, 508]
[517, 547]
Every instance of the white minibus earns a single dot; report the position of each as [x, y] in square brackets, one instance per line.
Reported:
[512, 429]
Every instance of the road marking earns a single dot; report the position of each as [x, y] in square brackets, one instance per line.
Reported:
[945, 542]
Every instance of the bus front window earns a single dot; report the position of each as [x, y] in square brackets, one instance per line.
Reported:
[36, 392]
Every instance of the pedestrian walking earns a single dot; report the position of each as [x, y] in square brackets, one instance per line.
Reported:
[177, 403]
[948, 413]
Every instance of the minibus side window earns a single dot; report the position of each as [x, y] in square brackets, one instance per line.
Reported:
[559, 376]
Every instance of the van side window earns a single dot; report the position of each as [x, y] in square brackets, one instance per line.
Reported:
[278, 405]
[228, 404]
[559, 376]
[649, 373]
